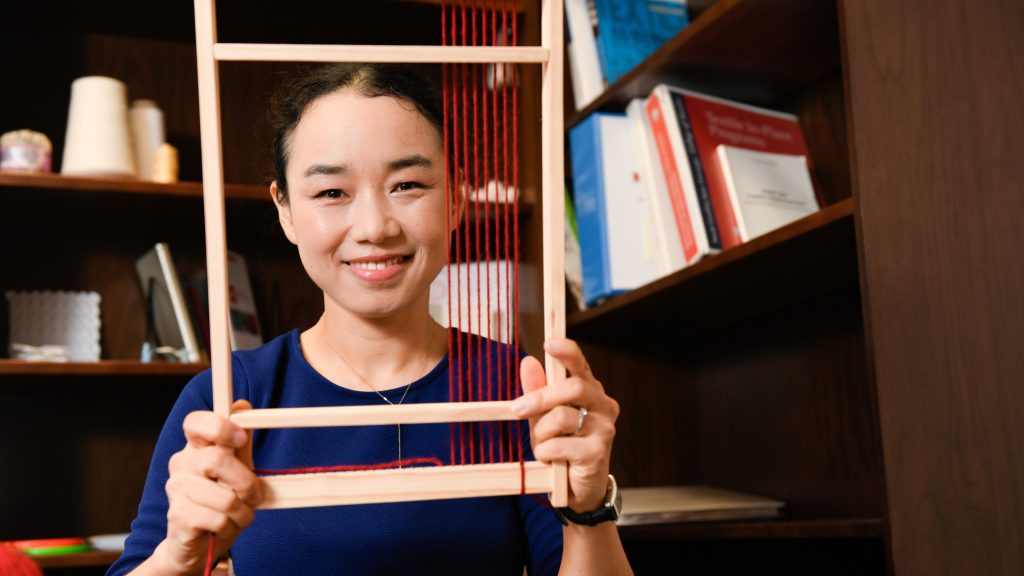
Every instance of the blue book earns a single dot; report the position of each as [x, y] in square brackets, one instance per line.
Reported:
[612, 208]
[630, 30]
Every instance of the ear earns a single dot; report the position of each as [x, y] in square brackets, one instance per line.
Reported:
[284, 214]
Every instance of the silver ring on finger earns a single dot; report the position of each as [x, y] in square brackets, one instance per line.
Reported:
[579, 423]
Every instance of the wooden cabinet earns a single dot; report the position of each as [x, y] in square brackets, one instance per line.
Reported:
[857, 364]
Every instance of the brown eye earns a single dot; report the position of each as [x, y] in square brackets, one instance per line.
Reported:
[334, 193]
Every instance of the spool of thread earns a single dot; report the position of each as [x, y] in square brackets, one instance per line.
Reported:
[147, 122]
[165, 164]
[98, 140]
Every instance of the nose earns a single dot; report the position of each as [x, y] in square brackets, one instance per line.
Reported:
[372, 220]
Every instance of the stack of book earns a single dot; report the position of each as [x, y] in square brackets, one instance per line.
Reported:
[681, 175]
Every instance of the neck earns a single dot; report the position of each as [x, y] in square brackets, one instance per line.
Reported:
[374, 354]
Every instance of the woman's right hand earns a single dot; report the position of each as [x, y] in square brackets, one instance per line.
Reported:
[212, 489]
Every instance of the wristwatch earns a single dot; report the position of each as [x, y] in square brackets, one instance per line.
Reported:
[609, 511]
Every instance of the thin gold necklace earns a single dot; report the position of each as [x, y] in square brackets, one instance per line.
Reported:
[405, 393]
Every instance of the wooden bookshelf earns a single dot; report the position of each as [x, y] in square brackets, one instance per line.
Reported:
[101, 368]
[775, 529]
[748, 50]
[811, 256]
[14, 180]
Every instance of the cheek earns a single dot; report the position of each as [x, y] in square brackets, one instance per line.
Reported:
[318, 230]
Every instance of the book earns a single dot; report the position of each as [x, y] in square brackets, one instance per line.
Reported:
[581, 48]
[669, 504]
[767, 190]
[628, 31]
[245, 325]
[694, 215]
[612, 208]
[668, 245]
[714, 121]
[167, 319]
[573, 259]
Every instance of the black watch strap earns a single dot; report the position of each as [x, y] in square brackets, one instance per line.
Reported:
[609, 511]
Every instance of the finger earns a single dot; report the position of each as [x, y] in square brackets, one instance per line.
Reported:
[569, 353]
[221, 464]
[204, 428]
[531, 374]
[191, 521]
[574, 391]
[219, 498]
[559, 421]
[244, 452]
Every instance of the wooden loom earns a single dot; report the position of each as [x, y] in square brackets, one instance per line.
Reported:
[404, 484]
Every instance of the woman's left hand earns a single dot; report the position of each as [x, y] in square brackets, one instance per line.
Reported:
[561, 430]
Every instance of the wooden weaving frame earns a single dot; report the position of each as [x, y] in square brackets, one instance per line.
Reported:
[403, 484]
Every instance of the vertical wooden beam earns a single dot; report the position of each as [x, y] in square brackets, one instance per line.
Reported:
[553, 202]
[213, 204]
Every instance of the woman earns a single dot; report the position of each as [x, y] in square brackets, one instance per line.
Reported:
[360, 189]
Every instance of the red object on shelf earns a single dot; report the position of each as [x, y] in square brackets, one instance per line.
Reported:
[14, 563]
[45, 543]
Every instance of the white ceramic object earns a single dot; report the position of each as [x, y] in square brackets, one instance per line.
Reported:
[147, 122]
[98, 139]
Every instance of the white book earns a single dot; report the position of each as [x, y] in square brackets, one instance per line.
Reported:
[584, 64]
[165, 301]
[767, 190]
[668, 248]
[677, 175]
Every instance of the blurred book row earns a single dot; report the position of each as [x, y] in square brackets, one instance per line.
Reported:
[678, 177]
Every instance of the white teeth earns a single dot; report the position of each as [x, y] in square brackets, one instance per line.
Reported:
[374, 265]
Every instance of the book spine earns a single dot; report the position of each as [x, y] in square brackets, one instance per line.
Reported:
[700, 182]
[588, 170]
[673, 176]
[584, 66]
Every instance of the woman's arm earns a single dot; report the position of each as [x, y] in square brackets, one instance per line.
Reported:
[555, 435]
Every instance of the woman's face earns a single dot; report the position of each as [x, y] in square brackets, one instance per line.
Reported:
[366, 202]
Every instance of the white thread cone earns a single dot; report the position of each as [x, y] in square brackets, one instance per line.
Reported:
[147, 123]
[98, 141]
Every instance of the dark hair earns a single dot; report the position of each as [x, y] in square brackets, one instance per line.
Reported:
[398, 81]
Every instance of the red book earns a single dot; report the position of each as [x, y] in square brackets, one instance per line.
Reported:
[717, 121]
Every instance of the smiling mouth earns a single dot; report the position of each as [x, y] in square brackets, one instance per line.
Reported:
[380, 264]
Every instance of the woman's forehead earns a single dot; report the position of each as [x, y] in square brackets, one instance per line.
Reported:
[350, 124]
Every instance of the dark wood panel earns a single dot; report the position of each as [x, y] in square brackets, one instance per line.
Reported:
[656, 440]
[785, 410]
[793, 557]
[81, 448]
[936, 132]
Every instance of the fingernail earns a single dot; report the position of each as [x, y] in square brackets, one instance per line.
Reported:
[239, 438]
[522, 405]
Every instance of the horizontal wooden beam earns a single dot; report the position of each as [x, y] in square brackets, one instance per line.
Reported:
[371, 53]
[375, 415]
[405, 484]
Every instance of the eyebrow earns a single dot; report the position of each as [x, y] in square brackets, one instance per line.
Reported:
[325, 170]
[393, 166]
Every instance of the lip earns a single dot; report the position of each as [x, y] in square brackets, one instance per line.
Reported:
[377, 269]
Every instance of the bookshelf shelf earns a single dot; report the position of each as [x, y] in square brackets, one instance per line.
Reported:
[746, 50]
[805, 258]
[101, 368]
[774, 529]
[126, 186]
[93, 558]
